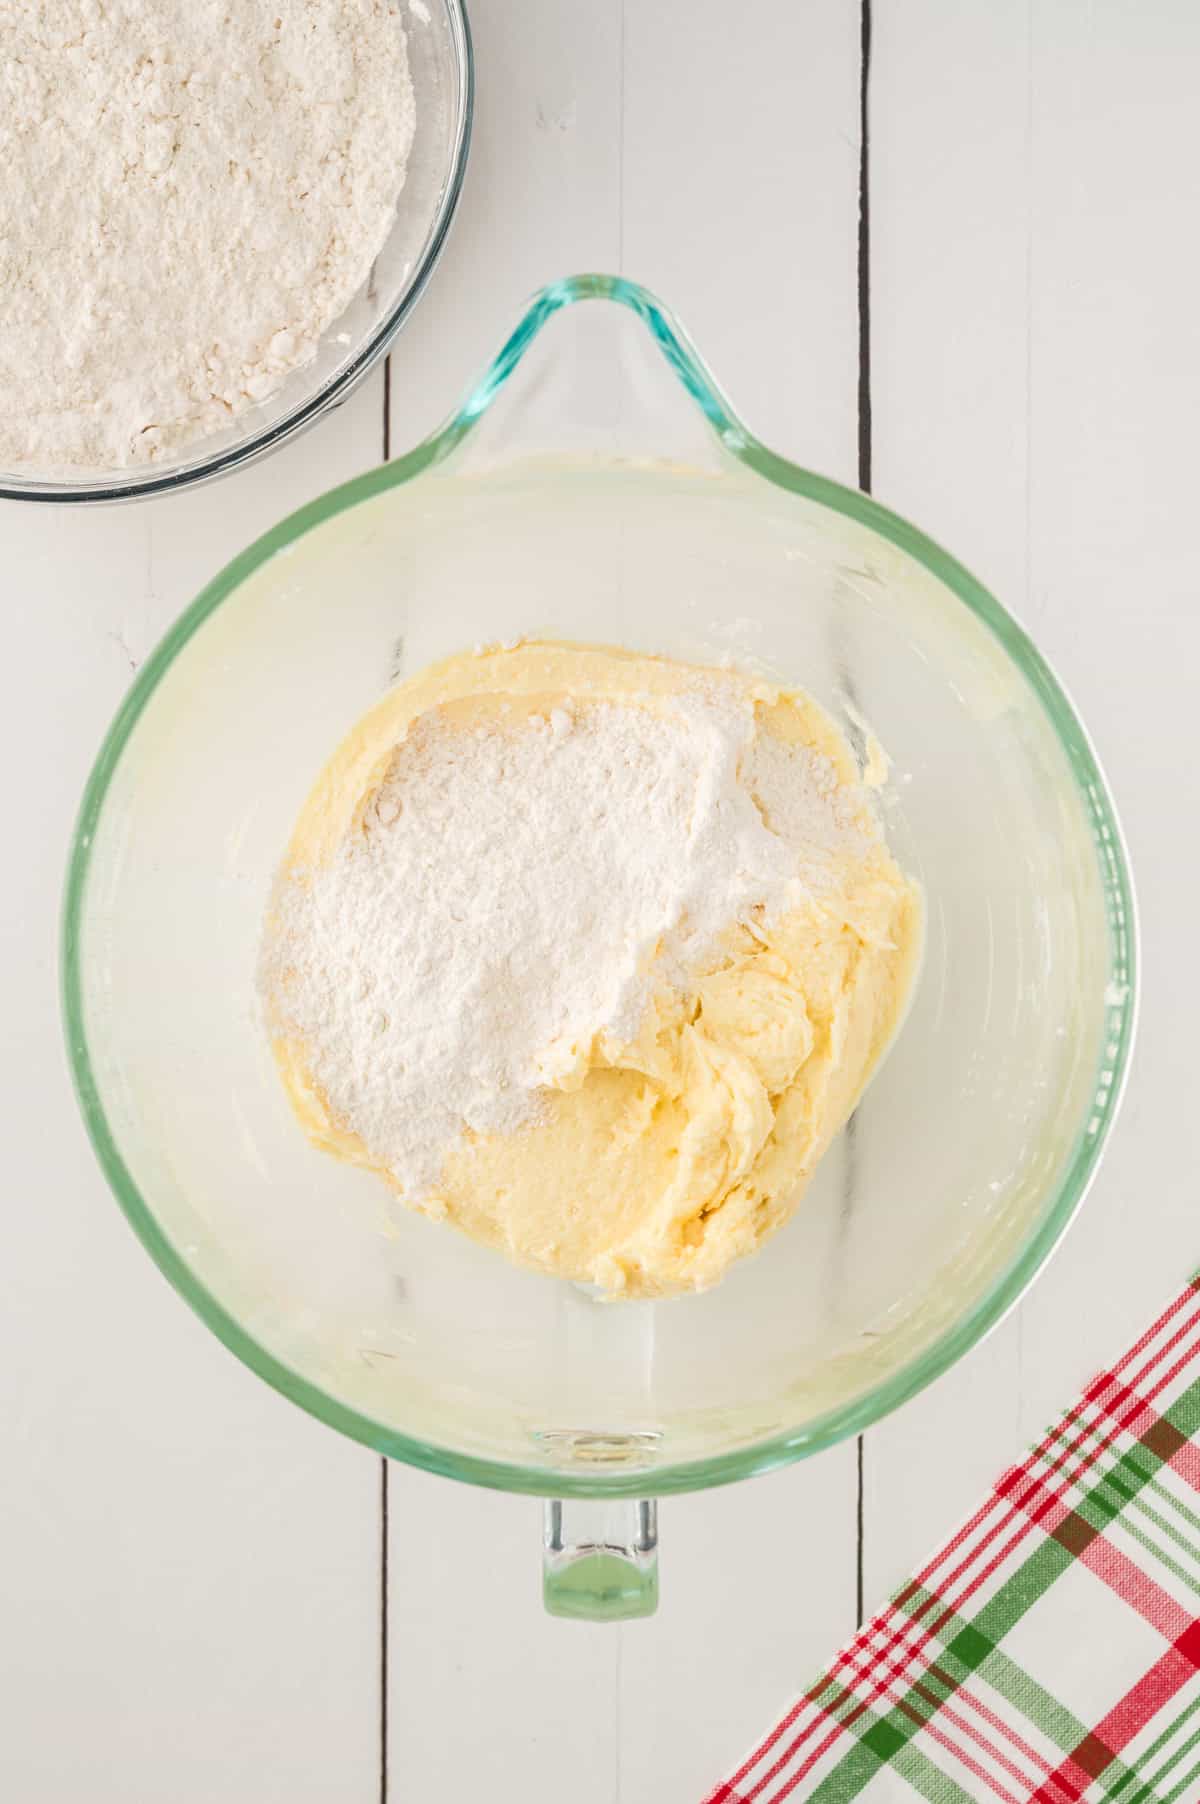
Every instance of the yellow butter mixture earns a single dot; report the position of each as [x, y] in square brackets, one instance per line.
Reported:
[590, 956]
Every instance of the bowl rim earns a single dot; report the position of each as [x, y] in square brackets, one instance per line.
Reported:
[331, 393]
[1121, 996]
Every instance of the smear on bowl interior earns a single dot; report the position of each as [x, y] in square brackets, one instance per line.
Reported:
[589, 955]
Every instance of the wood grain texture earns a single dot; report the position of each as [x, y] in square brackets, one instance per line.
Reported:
[188, 1566]
[1036, 375]
[633, 139]
[189, 1569]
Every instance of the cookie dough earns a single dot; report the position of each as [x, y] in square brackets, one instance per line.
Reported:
[662, 1154]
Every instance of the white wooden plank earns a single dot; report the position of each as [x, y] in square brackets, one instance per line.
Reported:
[188, 1566]
[740, 204]
[715, 163]
[542, 199]
[719, 165]
[488, 1693]
[1035, 382]
[758, 1589]
[740, 207]
[949, 189]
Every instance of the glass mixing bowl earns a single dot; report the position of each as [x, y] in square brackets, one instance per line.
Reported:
[442, 70]
[595, 485]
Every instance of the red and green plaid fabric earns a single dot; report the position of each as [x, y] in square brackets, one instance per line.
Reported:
[1050, 1652]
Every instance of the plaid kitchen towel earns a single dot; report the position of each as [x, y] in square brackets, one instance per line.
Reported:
[1049, 1653]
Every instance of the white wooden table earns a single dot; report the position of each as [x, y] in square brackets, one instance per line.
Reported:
[193, 1603]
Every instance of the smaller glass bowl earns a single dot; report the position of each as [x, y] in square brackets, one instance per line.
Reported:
[442, 69]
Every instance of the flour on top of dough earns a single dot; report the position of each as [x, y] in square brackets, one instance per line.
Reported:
[517, 891]
[194, 191]
[590, 955]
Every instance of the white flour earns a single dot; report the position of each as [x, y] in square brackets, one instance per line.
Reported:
[507, 896]
[191, 192]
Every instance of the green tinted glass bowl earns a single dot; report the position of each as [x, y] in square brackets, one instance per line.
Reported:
[595, 485]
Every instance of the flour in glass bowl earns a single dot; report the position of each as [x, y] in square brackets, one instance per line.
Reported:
[191, 193]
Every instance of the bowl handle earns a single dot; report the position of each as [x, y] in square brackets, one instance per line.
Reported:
[620, 380]
[600, 1558]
